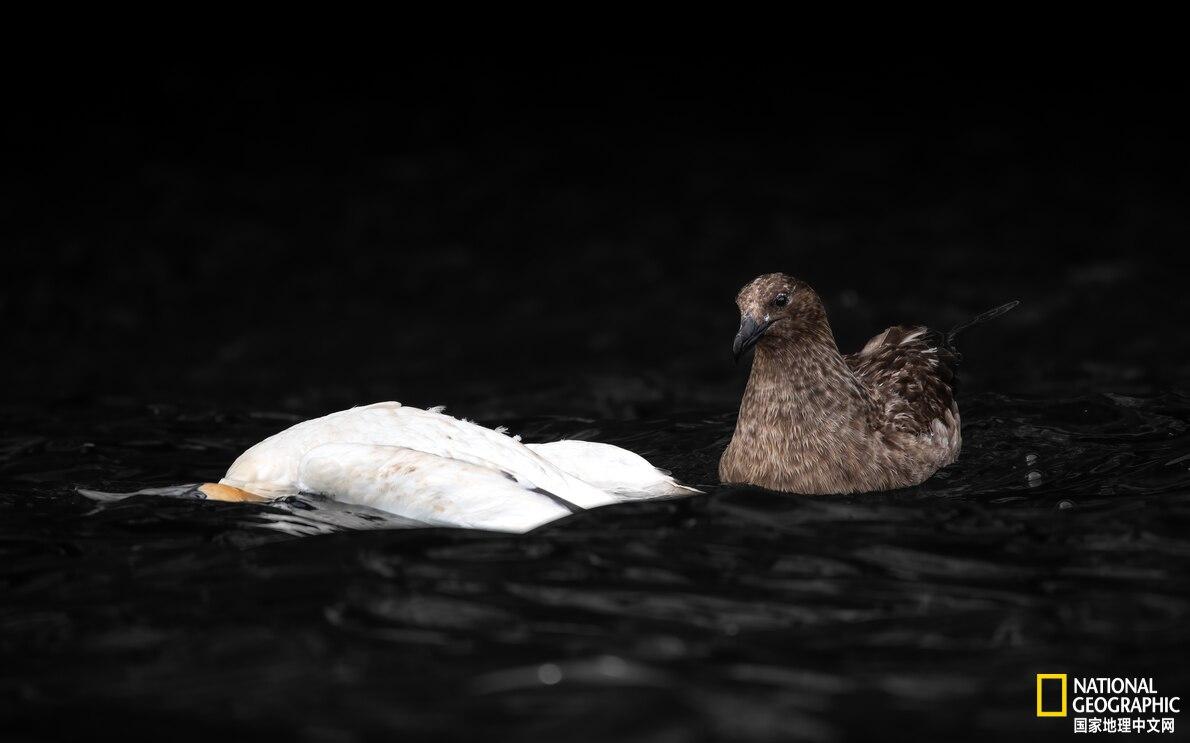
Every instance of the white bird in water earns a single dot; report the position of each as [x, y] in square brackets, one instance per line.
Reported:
[438, 470]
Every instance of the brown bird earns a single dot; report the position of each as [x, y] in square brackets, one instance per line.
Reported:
[815, 421]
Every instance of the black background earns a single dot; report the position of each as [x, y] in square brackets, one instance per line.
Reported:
[539, 236]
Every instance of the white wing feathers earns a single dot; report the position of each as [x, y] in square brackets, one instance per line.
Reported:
[610, 468]
[431, 489]
[429, 466]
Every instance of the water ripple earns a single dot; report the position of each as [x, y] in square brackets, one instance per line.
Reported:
[1057, 542]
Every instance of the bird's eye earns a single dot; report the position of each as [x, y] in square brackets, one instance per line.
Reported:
[781, 300]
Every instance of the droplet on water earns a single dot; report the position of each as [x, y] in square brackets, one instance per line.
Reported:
[549, 673]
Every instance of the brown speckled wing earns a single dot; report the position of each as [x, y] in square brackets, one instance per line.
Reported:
[911, 372]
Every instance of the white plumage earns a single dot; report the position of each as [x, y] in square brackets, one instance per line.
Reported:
[439, 470]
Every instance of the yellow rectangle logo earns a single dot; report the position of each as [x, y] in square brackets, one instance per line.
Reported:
[1041, 711]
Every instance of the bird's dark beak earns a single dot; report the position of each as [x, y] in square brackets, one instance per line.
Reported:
[750, 332]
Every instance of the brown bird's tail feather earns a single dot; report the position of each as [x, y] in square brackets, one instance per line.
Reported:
[979, 319]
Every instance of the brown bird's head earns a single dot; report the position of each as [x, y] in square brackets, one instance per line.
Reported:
[775, 306]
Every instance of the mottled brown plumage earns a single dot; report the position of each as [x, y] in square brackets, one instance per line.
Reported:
[815, 421]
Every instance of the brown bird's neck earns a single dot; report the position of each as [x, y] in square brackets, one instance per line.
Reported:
[800, 377]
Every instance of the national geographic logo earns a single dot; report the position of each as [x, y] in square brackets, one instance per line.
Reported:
[1120, 705]
[1049, 687]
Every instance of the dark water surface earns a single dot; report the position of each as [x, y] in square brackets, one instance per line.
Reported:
[1058, 543]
